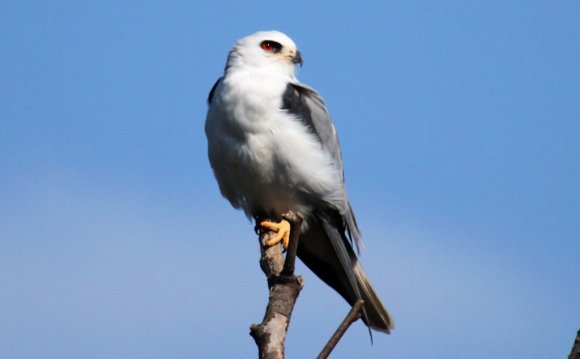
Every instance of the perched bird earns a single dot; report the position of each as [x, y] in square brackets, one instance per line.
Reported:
[273, 149]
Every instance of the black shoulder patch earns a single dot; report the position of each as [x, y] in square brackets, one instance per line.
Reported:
[293, 102]
[211, 92]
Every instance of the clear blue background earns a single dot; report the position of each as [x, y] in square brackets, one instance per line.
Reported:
[460, 128]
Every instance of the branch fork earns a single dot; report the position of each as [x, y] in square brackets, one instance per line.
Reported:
[284, 288]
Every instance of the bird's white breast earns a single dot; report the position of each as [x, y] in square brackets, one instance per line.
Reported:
[263, 157]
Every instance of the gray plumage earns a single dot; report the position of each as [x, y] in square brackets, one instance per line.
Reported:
[273, 148]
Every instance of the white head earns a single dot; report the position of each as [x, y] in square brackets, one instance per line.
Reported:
[265, 49]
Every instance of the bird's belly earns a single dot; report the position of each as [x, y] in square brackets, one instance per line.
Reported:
[274, 170]
[265, 179]
[267, 160]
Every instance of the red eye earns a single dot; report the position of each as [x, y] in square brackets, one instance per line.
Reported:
[271, 46]
[267, 46]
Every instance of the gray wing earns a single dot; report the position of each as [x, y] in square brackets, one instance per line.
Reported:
[308, 106]
[212, 91]
[324, 247]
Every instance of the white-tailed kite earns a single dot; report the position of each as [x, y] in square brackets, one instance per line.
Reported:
[273, 149]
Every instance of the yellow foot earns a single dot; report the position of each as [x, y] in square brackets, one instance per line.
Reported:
[282, 230]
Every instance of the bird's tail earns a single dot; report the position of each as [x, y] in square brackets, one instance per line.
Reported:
[325, 249]
[377, 317]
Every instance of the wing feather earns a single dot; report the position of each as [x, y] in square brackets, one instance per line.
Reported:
[212, 91]
[309, 107]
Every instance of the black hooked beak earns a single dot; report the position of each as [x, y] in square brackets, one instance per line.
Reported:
[298, 58]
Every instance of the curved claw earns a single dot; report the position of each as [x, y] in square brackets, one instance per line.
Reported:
[282, 230]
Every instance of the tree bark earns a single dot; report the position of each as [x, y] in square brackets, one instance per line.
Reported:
[284, 287]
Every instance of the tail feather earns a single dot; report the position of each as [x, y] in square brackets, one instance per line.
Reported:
[327, 252]
[377, 316]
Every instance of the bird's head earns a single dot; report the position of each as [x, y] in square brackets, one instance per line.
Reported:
[265, 49]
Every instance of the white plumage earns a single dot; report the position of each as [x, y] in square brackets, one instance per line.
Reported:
[259, 152]
[273, 149]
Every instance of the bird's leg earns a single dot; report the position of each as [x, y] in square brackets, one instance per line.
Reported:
[282, 230]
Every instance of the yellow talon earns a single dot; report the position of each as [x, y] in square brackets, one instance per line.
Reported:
[282, 230]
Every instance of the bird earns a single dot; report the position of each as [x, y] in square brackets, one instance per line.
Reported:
[274, 149]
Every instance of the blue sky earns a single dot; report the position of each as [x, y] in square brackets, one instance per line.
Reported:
[460, 128]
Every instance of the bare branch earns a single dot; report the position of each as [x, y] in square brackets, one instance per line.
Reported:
[575, 353]
[351, 317]
[284, 286]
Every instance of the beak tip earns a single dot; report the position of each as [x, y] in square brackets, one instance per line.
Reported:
[298, 58]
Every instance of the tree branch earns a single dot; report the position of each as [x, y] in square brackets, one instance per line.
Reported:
[575, 353]
[350, 318]
[284, 286]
